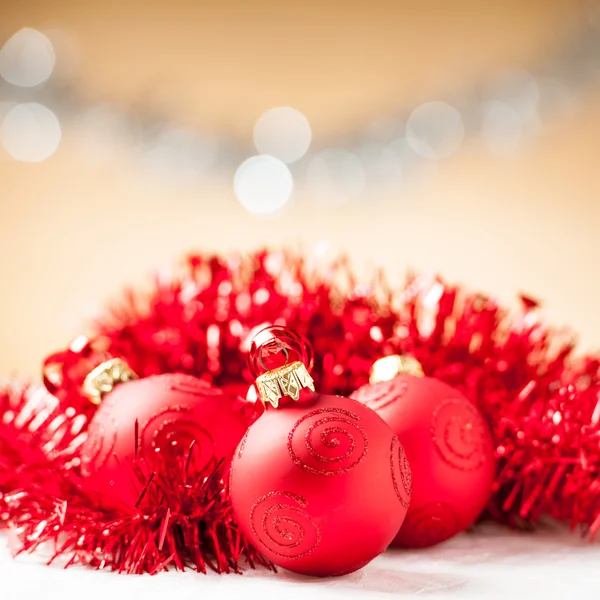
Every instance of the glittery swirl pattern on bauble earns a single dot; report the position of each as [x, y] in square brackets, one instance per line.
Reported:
[99, 445]
[430, 524]
[100, 441]
[379, 395]
[281, 524]
[460, 434]
[168, 435]
[327, 441]
[401, 475]
[242, 445]
[187, 384]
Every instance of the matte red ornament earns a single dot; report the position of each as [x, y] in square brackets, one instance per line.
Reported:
[320, 486]
[449, 447]
[162, 422]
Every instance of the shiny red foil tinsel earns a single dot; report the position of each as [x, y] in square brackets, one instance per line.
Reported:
[184, 519]
[542, 405]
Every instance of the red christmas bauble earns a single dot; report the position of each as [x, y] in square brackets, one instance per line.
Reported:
[172, 411]
[320, 486]
[450, 450]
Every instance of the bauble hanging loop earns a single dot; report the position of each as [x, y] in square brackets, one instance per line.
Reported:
[276, 346]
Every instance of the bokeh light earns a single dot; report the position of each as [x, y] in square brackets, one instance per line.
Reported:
[27, 58]
[517, 88]
[30, 132]
[501, 127]
[263, 184]
[435, 130]
[283, 132]
[557, 99]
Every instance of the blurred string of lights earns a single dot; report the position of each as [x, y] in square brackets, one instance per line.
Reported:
[38, 98]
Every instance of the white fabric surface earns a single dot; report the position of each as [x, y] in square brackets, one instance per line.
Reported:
[490, 563]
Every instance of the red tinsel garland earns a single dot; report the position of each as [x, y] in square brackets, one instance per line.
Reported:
[39, 440]
[183, 519]
[544, 411]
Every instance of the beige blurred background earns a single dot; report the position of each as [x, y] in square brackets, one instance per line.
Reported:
[73, 231]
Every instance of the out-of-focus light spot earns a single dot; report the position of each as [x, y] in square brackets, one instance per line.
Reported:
[30, 132]
[179, 156]
[253, 336]
[251, 395]
[284, 133]
[596, 414]
[385, 368]
[261, 296]
[501, 127]
[376, 334]
[243, 303]
[274, 263]
[433, 295]
[103, 131]
[518, 89]
[263, 184]
[556, 97]
[321, 248]
[225, 288]
[335, 176]
[213, 335]
[27, 58]
[78, 344]
[236, 328]
[435, 130]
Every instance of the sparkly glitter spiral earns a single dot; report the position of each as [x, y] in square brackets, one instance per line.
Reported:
[327, 441]
[401, 475]
[187, 384]
[242, 445]
[169, 434]
[379, 395]
[100, 442]
[282, 525]
[459, 433]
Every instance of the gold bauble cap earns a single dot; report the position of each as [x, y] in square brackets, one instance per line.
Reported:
[281, 381]
[386, 368]
[105, 377]
[284, 381]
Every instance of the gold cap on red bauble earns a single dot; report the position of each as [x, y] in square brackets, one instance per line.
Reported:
[275, 380]
[284, 381]
[105, 377]
[386, 368]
